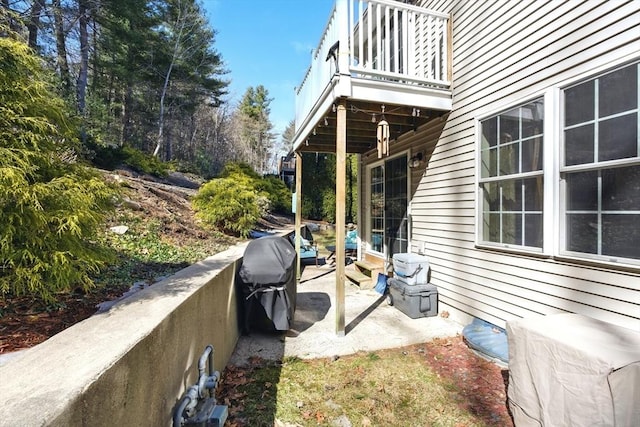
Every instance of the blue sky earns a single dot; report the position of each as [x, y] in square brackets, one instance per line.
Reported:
[269, 43]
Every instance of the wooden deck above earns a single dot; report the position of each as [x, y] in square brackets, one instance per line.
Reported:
[390, 60]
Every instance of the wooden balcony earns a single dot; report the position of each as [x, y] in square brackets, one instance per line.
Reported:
[386, 59]
[286, 166]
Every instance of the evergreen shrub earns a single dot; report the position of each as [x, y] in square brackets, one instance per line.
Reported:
[329, 205]
[145, 163]
[108, 157]
[105, 157]
[230, 204]
[237, 200]
[277, 193]
[233, 168]
[51, 207]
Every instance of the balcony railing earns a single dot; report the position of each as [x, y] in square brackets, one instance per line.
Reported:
[381, 40]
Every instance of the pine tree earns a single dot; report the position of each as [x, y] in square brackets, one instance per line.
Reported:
[257, 129]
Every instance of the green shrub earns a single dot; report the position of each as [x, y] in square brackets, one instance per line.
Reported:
[111, 157]
[329, 205]
[51, 207]
[103, 156]
[145, 163]
[233, 168]
[230, 204]
[277, 193]
[239, 198]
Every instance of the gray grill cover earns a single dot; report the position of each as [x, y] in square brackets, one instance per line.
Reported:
[267, 277]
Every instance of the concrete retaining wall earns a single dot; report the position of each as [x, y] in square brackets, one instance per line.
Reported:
[130, 365]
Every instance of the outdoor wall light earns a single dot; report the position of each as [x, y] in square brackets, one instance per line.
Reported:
[415, 160]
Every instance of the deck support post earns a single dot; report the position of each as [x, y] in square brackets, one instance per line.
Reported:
[341, 168]
[298, 217]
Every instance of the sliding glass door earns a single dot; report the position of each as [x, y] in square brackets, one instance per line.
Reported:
[388, 225]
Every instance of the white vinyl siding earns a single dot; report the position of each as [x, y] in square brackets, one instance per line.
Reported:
[505, 53]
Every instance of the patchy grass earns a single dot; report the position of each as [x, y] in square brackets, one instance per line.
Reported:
[397, 387]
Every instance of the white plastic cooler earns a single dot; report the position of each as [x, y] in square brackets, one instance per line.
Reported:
[412, 269]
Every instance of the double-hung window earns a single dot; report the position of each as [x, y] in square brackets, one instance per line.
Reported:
[594, 163]
[600, 168]
[511, 177]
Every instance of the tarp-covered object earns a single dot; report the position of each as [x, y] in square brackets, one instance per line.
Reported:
[268, 282]
[488, 339]
[572, 370]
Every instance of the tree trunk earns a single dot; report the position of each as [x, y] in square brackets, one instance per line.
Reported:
[81, 87]
[83, 22]
[5, 6]
[161, 116]
[127, 108]
[61, 48]
[167, 79]
[13, 21]
[34, 23]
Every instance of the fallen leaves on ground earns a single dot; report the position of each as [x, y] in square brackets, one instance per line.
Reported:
[475, 385]
[482, 384]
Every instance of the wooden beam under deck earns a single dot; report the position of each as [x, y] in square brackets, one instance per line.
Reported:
[361, 126]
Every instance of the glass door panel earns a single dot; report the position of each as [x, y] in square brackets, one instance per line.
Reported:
[396, 201]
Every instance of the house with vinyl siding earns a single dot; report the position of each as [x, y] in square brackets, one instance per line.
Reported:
[499, 139]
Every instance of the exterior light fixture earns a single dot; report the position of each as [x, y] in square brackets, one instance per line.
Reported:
[326, 122]
[415, 160]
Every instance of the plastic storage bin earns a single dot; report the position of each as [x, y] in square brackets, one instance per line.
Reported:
[411, 269]
[413, 300]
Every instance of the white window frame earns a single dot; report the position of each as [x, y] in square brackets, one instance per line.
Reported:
[561, 250]
[554, 208]
[547, 191]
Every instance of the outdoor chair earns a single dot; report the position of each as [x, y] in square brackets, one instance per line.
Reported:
[308, 249]
[351, 242]
[350, 245]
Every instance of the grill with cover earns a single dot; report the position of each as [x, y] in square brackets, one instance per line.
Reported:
[267, 280]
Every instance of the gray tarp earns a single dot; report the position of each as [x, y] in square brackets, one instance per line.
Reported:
[572, 370]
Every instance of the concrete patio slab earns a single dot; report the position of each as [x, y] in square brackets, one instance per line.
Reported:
[371, 324]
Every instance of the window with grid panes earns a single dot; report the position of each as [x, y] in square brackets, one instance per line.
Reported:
[600, 171]
[511, 177]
